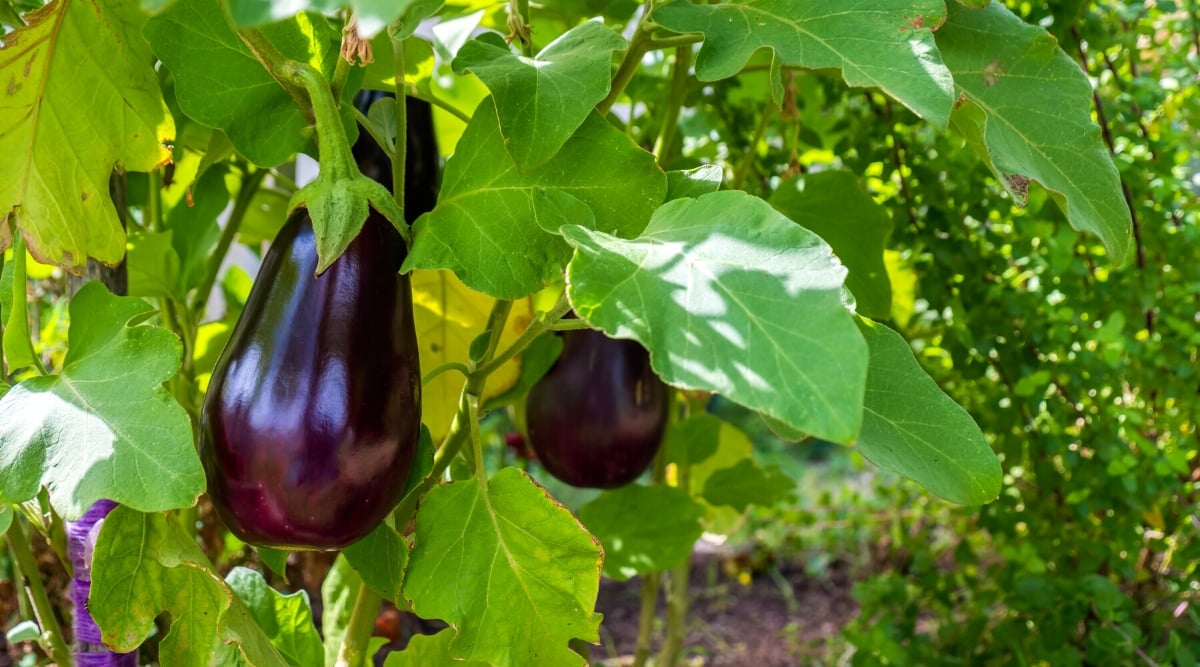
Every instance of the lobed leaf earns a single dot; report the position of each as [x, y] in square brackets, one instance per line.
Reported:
[144, 565]
[80, 97]
[104, 427]
[730, 296]
[496, 227]
[525, 573]
[541, 101]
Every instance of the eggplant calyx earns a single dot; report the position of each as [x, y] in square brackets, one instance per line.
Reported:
[338, 199]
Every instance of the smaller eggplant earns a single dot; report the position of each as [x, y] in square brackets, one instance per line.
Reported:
[596, 419]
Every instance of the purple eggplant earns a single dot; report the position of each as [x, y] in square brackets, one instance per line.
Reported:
[597, 418]
[313, 413]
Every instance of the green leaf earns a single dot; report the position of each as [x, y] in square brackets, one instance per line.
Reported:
[6, 515]
[25, 631]
[643, 528]
[285, 619]
[832, 204]
[380, 559]
[1030, 111]
[914, 429]
[276, 559]
[541, 101]
[730, 296]
[104, 427]
[152, 264]
[194, 40]
[710, 447]
[339, 592]
[144, 565]
[745, 484]
[694, 182]
[491, 221]
[429, 651]
[525, 573]
[73, 108]
[194, 229]
[886, 44]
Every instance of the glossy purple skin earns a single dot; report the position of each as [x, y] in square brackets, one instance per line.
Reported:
[313, 413]
[596, 419]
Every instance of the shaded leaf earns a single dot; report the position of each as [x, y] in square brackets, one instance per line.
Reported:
[912, 428]
[643, 528]
[194, 40]
[104, 427]
[832, 204]
[730, 296]
[694, 182]
[339, 591]
[745, 484]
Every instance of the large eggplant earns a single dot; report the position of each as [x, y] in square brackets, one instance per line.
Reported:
[597, 418]
[313, 412]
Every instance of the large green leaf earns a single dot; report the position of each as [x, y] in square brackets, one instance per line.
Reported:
[730, 296]
[523, 573]
[144, 565]
[1030, 111]
[832, 204]
[194, 40]
[104, 427]
[882, 43]
[911, 427]
[79, 96]
[541, 101]
[643, 528]
[285, 619]
[494, 226]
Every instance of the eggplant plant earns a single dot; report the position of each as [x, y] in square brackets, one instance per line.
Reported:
[646, 169]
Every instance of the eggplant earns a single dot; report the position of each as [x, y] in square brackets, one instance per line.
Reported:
[312, 417]
[596, 419]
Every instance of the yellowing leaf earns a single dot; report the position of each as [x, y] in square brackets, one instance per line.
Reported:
[71, 108]
[449, 315]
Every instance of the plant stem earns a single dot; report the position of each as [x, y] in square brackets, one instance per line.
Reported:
[674, 41]
[274, 62]
[250, 182]
[154, 218]
[353, 651]
[650, 586]
[638, 45]
[739, 176]
[445, 368]
[530, 334]
[670, 117]
[462, 428]
[52, 635]
[400, 150]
